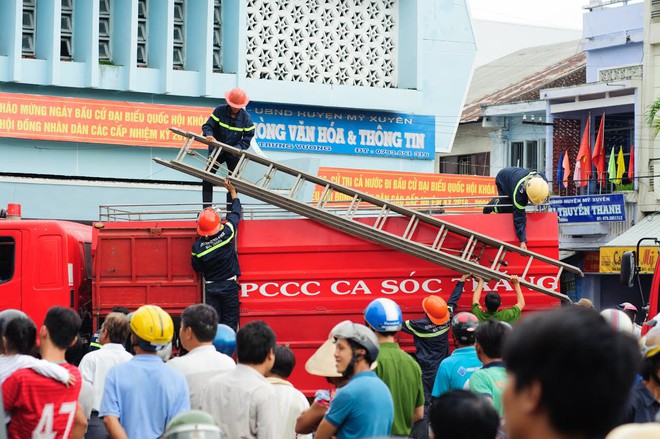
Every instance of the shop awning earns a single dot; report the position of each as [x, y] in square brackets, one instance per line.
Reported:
[610, 253]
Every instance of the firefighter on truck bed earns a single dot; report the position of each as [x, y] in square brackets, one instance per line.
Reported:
[519, 186]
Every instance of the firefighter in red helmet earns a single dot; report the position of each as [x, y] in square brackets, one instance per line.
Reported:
[232, 125]
[214, 255]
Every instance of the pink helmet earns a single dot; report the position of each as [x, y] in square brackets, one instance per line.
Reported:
[626, 306]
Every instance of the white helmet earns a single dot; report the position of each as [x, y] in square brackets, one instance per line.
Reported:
[618, 320]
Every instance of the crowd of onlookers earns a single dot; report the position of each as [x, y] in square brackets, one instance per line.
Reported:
[566, 373]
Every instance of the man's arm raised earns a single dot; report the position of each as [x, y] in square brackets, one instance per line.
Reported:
[515, 281]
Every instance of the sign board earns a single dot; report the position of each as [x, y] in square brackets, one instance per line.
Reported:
[63, 119]
[283, 128]
[610, 259]
[352, 132]
[393, 185]
[589, 208]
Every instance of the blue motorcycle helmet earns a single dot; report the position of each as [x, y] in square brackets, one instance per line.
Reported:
[225, 340]
[383, 315]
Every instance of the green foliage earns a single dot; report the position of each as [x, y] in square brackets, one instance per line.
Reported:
[651, 119]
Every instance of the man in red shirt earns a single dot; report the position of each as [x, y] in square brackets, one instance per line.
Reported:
[41, 407]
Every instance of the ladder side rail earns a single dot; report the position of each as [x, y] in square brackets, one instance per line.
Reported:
[364, 231]
[427, 219]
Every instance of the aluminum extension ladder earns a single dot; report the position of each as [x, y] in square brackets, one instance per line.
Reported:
[468, 261]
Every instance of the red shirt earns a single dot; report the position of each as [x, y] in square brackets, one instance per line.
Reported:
[40, 407]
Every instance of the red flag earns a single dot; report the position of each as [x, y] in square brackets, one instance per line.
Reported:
[598, 157]
[583, 161]
[567, 169]
[631, 163]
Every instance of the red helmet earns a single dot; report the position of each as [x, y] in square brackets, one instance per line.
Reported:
[236, 98]
[436, 308]
[208, 222]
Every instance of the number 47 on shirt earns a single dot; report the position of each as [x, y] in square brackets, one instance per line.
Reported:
[44, 429]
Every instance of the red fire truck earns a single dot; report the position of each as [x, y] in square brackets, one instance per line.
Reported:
[300, 276]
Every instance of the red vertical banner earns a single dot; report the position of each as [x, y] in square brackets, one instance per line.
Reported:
[599, 152]
[583, 162]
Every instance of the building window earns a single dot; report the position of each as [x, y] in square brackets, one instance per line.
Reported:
[528, 154]
[217, 35]
[105, 7]
[142, 33]
[464, 165]
[29, 27]
[66, 30]
[7, 256]
[178, 48]
[473, 164]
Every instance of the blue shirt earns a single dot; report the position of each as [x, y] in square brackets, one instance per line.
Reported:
[455, 370]
[145, 394]
[363, 408]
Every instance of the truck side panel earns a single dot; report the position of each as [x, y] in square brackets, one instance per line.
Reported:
[144, 262]
[302, 277]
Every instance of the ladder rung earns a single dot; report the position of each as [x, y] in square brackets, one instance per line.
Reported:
[557, 278]
[410, 229]
[326, 198]
[468, 256]
[497, 257]
[499, 263]
[382, 217]
[184, 150]
[297, 184]
[467, 247]
[351, 213]
[213, 158]
[268, 176]
[529, 264]
[240, 166]
[442, 233]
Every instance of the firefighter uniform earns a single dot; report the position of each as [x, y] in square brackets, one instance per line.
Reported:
[236, 131]
[215, 256]
[510, 183]
[432, 342]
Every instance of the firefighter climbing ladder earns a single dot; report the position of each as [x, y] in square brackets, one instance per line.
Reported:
[476, 246]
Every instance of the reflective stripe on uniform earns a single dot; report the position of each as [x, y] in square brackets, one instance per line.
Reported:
[217, 246]
[425, 335]
[229, 127]
[522, 180]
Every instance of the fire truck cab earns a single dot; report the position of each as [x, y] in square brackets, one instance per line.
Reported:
[43, 263]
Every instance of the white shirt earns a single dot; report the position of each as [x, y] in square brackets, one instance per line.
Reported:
[290, 403]
[199, 366]
[95, 365]
[242, 403]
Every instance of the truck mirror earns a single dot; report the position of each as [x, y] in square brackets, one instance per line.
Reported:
[628, 268]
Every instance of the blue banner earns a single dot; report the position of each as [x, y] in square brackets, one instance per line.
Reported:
[589, 208]
[353, 132]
